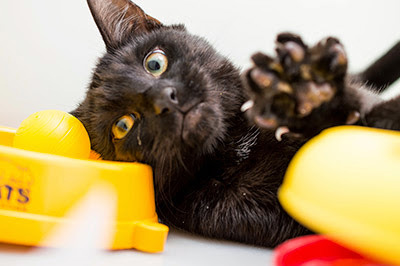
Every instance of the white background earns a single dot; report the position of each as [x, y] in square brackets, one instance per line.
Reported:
[49, 47]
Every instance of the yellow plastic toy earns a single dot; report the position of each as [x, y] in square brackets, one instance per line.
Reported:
[345, 183]
[37, 189]
[54, 132]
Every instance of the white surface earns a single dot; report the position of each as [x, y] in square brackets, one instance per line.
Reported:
[181, 250]
[48, 48]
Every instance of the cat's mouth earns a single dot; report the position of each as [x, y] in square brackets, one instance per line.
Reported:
[197, 124]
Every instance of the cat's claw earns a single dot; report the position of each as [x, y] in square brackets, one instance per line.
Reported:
[247, 105]
[280, 131]
[353, 117]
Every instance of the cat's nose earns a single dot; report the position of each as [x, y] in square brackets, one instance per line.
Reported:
[166, 101]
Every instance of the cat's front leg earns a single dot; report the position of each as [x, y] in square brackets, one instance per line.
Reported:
[233, 211]
[302, 88]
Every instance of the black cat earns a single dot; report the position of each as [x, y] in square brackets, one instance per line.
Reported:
[166, 98]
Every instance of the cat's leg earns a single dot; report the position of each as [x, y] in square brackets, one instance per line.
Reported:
[307, 90]
[233, 211]
[302, 88]
[384, 71]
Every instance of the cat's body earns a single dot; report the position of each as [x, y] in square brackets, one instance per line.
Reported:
[215, 173]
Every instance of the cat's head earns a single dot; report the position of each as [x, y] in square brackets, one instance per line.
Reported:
[159, 94]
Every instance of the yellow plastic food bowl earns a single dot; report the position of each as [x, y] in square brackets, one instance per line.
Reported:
[345, 183]
[38, 189]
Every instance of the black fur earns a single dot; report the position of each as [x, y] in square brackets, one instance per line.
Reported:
[215, 174]
[382, 73]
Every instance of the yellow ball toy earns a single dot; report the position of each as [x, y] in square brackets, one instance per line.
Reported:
[55, 132]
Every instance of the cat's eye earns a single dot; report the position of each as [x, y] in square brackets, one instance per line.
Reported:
[156, 62]
[123, 125]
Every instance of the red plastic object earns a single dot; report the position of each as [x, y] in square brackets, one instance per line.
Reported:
[316, 250]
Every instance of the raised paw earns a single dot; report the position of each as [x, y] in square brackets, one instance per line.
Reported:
[287, 89]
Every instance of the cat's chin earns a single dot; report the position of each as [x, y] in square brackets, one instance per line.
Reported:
[199, 125]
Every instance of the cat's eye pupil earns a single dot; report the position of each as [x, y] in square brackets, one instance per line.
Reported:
[156, 62]
[154, 65]
[123, 125]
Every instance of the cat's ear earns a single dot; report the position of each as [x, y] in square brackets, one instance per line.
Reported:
[117, 20]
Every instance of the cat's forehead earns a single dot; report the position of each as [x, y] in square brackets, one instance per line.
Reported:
[174, 40]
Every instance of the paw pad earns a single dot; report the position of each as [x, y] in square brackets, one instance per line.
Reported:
[295, 82]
